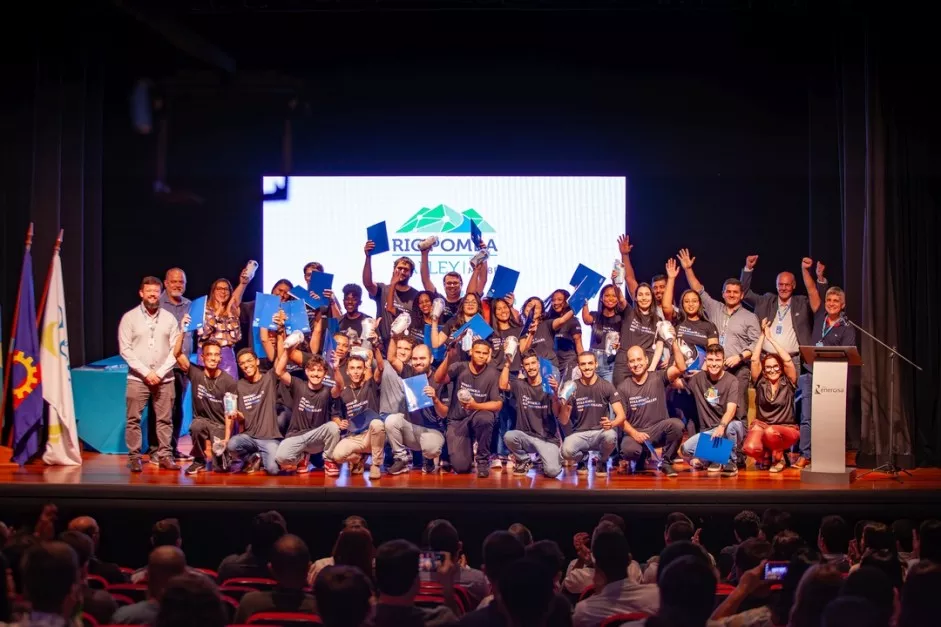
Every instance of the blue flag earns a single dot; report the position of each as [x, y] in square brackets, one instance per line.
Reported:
[26, 374]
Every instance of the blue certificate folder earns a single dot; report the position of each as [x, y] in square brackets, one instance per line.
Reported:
[478, 327]
[303, 295]
[378, 234]
[320, 281]
[415, 396]
[581, 273]
[717, 451]
[297, 317]
[197, 314]
[586, 290]
[504, 282]
[266, 306]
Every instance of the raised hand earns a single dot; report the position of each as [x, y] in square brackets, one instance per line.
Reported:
[806, 263]
[624, 244]
[673, 269]
[685, 259]
[820, 270]
[368, 247]
[185, 321]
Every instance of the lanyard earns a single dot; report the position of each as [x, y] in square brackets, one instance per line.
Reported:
[783, 313]
[827, 327]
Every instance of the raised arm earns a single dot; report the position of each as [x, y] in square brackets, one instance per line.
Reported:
[748, 295]
[558, 322]
[678, 366]
[687, 261]
[587, 318]
[504, 381]
[316, 332]
[666, 303]
[756, 352]
[367, 270]
[281, 361]
[337, 388]
[441, 374]
[630, 277]
[478, 279]
[813, 287]
[790, 370]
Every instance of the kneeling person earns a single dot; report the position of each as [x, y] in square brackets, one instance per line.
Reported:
[421, 430]
[648, 424]
[715, 391]
[257, 443]
[359, 418]
[588, 409]
[537, 430]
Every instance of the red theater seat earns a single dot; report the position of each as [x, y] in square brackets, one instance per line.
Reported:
[284, 618]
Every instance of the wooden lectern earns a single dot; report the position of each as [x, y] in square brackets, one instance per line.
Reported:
[828, 413]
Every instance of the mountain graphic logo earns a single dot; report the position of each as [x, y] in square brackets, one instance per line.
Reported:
[444, 219]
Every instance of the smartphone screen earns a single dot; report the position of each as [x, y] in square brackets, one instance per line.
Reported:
[430, 561]
[775, 571]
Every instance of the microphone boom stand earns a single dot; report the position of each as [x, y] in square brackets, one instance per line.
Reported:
[889, 468]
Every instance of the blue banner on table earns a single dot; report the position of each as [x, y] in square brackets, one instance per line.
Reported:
[266, 306]
[197, 315]
[715, 450]
[476, 236]
[477, 325]
[586, 290]
[320, 281]
[546, 370]
[437, 354]
[379, 236]
[304, 296]
[503, 283]
[26, 376]
[415, 396]
[297, 319]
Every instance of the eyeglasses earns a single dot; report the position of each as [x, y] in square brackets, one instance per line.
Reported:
[772, 368]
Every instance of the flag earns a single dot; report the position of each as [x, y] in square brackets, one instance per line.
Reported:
[26, 374]
[62, 446]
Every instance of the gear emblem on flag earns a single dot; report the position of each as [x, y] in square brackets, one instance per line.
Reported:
[29, 382]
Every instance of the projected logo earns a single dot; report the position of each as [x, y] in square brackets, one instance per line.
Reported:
[454, 249]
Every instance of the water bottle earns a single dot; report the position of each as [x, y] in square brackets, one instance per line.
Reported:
[467, 342]
[230, 403]
[250, 268]
[464, 396]
[218, 449]
[360, 351]
[510, 346]
[568, 389]
[293, 340]
[437, 308]
[666, 332]
[428, 242]
[612, 340]
[401, 323]
[369, 325]
[618, 273]
[479, 258]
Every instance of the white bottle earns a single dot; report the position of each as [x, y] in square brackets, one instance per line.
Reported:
[250, 268]
[479, 258]
[428, 242]
[437, 308]
[618, 273]
[401, 323]
[568, 389]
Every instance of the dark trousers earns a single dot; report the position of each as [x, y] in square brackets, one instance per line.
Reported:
[460, 436]
[666, 433]
[202, 431]
[180, 383]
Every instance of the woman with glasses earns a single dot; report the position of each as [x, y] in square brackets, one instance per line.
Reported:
[775, 428]
[222, 320]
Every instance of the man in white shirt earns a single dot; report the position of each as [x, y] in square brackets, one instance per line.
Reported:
[614, 592]
[146, 336]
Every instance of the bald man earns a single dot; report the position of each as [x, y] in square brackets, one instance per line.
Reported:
[89, 526]
[792, 317]
[164, 563]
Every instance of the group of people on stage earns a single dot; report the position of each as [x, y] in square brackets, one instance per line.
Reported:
[652, 371]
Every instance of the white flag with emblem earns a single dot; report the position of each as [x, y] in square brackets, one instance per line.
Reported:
[62, 446]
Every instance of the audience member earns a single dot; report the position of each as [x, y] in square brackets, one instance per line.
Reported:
[927, 544]
[920, 595]
[165, 563]
[344, 596]
[833, 540]
[773, 522]
[441, 535]
[851, 612]
[290, 562]
[889, 563]
[873, 585]
[96, 603]
[819, 585]
[350, 522]
[745, 525]
[266, 528]
[522, 533]
[191, 601]
[165, 532]
[526, 595]
[111, 572]
[687, 589]
[903, 530]
[398, 584]
[51, 585]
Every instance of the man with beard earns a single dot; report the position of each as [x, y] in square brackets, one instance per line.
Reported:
[393, 298]
[146, 336]
[359, 418]
[421, 430]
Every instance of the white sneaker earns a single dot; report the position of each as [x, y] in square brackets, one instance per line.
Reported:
[696, 464]
[714, 468]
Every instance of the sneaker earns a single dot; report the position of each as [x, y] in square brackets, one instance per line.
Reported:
[696, 464]
[153, 460]
[667, 469]
[429, 467]
[444, 465]
[182, 457]
[483, 472]
[134, 465]
[358, 467]
[399, 466]
[601, 469]
[303, 465]
[375, 472]
[802, 463]
[496, 463]
[253, 465]
[167, 463]
[715, 468]
[330, 468]
[195, 468]
[730, 469]
[581, 468]
[521, 468]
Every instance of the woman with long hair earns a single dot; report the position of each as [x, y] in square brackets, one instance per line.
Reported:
[540, 336]
[421, 315]
[604, 321]
[638, 328]
[504, 320]
[470, 307]
[775, 428]
[222, 321]
[568, 335]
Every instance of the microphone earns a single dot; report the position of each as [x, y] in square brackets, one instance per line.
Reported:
[843, 317]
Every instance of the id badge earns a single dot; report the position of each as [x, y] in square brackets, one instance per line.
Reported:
[778, 330]
[722, 339]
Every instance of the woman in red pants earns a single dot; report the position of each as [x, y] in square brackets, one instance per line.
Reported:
[775, 429]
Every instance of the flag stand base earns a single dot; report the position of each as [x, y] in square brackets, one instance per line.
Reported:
[6, 454]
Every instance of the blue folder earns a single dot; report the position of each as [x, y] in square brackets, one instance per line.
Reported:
[304, 296]
[198, 314]
[476, 236]
[378, 234]
[297, 317]
[415, 396]
[581, 272]
[504, 282]
[585, 291]
[715, 450]
[266, 306]
[477, 325]
[546, 370]
[320, 281]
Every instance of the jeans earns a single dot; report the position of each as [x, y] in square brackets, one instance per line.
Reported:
[522, 445]
[735, 431]
[666, 433]
[244, 446]
[576, 446]
[506, 421]
[479, 426]
[805, 394]
[605, 369]
[202, 432]
[405, 436]
[324, 438]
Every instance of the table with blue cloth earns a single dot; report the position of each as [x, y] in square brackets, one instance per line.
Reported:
[100, 407]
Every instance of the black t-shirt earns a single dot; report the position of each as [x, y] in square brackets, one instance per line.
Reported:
[402, 301]
[358, 405]
[346, 323]
[646, 403]
[311, 407]
[565, 346]
[534, 410]
[496, 345]
[448, 329]
[256, 402]
[544, 342]
[208, 393]
[638, 330]
[591, 403]
[601, 326]
[776, 408]
[712, 396]
[450, 309]
[696, 335]
[484, 387]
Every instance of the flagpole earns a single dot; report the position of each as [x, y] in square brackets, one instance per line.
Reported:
[45, 289]
[6, 455]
